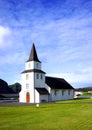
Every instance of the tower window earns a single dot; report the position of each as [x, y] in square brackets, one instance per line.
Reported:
[41, 76]
[37, 76]
[55, 92]
[69, 92]
[29, 65]
[27, 76]
[27, 86]
[63, 92]
[37, 65]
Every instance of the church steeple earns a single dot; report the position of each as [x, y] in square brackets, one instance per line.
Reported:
[33, 54]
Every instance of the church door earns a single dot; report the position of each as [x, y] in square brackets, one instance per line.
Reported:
[28, 97]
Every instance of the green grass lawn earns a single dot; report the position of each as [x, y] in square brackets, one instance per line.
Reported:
[87, 94]
[77, 100]
[56, 116]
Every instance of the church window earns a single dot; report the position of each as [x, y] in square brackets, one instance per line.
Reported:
[55, 92]
[63, 92]
[37, 76]
[69, 92]
[29, 65]
[37, 65]
[27, 86]
[27, 76]
[41, 76]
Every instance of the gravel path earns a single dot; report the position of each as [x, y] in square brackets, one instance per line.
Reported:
[28, 104]
[14, 104]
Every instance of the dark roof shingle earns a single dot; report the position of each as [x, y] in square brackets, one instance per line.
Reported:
[33, 54]
[33, 70]
[58, 83]
[42, 91]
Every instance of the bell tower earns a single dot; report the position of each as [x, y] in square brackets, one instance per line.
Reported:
[32, 77]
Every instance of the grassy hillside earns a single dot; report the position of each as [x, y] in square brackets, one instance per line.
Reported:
[48, 117]
[86, 89]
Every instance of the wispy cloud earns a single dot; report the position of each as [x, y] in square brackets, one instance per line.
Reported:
[4, 33]
[75, 78]
[13, 59]
[61, 31]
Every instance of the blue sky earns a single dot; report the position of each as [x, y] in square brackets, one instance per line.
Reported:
[61, 31]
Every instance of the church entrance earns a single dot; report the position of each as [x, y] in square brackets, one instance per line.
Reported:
[28, 97]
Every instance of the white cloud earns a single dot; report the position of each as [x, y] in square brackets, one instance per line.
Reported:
[68, 39]
[13, 59]
[70, 32]
[4, 33]
[60, 39]
[74, 77]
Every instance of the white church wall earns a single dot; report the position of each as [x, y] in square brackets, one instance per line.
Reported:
[27, 86]
[32, 65]
[48, 88]
[39, 82]
[37, 97]
[37, 65]
[22, 97]
[72, 94]
[61, 94]
[29, 81]
[29, 65]
[43, 98]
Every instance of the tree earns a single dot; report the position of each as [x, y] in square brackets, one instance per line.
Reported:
[3, 86]
[16, 87]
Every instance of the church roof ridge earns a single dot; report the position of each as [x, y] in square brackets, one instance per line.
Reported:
[58, 83]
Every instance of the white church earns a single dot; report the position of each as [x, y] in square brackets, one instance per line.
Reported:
[38, 88]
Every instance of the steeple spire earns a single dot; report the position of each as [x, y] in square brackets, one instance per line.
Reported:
[33, 54]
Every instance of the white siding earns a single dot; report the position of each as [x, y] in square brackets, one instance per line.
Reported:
[24, 90]
[43, 98]
[32, 65]
[39, 83]
[37, 97]
[40, 98]
[57, 95]
[48, 88]
[29, 65]
[37, 65]
[22, 97]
